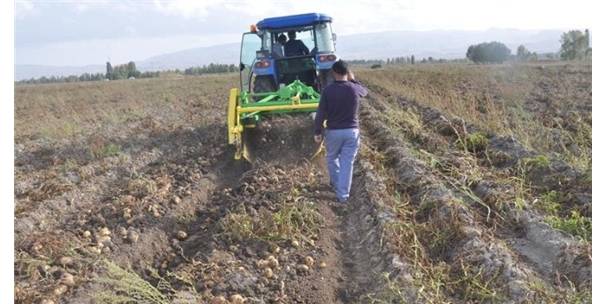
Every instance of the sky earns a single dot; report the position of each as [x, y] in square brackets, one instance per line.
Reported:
[77, 33]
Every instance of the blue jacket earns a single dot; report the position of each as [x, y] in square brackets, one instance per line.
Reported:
[340, 106]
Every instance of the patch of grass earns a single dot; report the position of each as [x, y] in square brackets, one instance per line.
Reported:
[125, 286]
[571, 295]
[539, 161]
[298, 220]
[575, 224]
[474, 142]
[408, 119]
[475, 286]
[141, 186]
[550, 203]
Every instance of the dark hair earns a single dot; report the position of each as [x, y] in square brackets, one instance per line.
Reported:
[340, 67]
[292, 34]
[282, 38]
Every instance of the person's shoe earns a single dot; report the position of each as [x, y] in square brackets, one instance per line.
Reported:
[342, 200]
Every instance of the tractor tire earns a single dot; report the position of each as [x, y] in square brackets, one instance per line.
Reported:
[326, 78]
[263, 84]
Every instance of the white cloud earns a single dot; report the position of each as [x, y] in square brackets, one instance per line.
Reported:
[185, 8]
[23, 8]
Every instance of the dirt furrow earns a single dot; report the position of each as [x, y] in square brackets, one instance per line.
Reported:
[547, 249]
[463, 239]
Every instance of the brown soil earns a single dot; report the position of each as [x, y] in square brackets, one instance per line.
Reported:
[150, 207]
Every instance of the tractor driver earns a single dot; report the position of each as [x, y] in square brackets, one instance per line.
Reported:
[278, 48]
[295, 47]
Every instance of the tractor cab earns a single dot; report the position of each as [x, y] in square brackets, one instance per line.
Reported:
[280, 50]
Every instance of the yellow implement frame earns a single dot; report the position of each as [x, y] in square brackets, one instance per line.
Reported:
[285, 100]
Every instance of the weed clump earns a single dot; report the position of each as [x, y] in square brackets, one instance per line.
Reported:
[299, 220]
[550, 202]
[575, 224]
[125, 286]
[539, 161]
[474, 142]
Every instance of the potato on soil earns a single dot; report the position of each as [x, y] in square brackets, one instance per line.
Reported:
[302, 268]
[104, 231]
[59, 290]
[67, 279]
[218, 300]
[272, 262]
[268, 273]
[309, 261]
[236, 299]
[66, 261]
[181, 235]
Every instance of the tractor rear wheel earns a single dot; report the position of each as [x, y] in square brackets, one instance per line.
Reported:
[326, 78]
[263, 84]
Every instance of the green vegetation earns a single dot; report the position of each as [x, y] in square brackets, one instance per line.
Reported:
[539, 161]
[524, 54]
[575, 45]
[299, 220]
[474, 142]
[125, 286]
[488, 52]
[575, 224]
[212, 68]
[550, 203]
[99, 149]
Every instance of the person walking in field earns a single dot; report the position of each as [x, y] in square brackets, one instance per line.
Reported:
[339, 106]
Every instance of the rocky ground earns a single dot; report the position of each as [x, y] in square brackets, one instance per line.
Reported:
[126, 192]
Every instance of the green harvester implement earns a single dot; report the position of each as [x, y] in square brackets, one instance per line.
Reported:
[244, 112]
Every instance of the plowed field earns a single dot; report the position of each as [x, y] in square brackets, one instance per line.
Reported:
[473, 185]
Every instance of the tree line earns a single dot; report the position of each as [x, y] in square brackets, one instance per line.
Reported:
[129, 71]
[574, 45]
[211, 68]
[123, 71]
[126, 71]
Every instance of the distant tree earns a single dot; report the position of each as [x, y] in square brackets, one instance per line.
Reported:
[132, 70]
[533, 57]
[522, 53]
[412, 59]
[108, 70]
[575, 45]
[495, 52]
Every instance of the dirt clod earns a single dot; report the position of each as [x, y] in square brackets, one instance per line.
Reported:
[133, 236]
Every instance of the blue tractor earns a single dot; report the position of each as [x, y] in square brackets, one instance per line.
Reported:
[268, 62]
[279, 75]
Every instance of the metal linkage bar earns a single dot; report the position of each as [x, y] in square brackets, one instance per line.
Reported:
[295, 97]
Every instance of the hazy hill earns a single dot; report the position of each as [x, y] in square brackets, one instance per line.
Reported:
[438, 44]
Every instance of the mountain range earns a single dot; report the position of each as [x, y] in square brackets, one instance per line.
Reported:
[447, 44]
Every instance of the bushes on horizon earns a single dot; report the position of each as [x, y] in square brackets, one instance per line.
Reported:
[575, 45]
[211, 69]
[488, 52]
